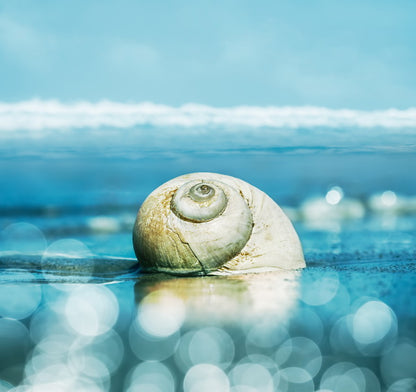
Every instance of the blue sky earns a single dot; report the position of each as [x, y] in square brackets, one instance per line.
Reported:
[337, 54]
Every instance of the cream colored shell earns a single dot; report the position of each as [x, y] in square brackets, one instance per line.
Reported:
[248, 232]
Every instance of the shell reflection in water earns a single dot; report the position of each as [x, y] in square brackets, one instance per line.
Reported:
[207, 223]
[232, 299]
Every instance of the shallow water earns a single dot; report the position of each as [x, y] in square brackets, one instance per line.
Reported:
[340, 326]
[76, 314]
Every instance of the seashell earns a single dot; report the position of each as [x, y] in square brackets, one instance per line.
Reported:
[207, 223]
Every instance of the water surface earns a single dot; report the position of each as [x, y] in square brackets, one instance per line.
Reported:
[77, 314]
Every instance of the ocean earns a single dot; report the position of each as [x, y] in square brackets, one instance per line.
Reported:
[76, 314]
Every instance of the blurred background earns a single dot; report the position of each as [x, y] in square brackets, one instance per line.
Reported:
[312, 102]
[122, 96]
[354, 54]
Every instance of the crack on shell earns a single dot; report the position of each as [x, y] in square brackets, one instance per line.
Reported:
[190, 248]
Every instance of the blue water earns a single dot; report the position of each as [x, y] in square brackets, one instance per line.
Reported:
[345, 323]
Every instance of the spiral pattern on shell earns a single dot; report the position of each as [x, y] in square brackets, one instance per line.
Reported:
[199, 201]
[204, 223]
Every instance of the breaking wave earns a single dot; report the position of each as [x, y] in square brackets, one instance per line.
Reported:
[38, 115]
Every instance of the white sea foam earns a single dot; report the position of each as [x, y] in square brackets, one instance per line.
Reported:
[38, 115]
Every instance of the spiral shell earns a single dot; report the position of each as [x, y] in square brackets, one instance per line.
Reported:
[207, 223]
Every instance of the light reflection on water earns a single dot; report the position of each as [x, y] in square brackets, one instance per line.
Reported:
[346, 323]
[149, 335]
